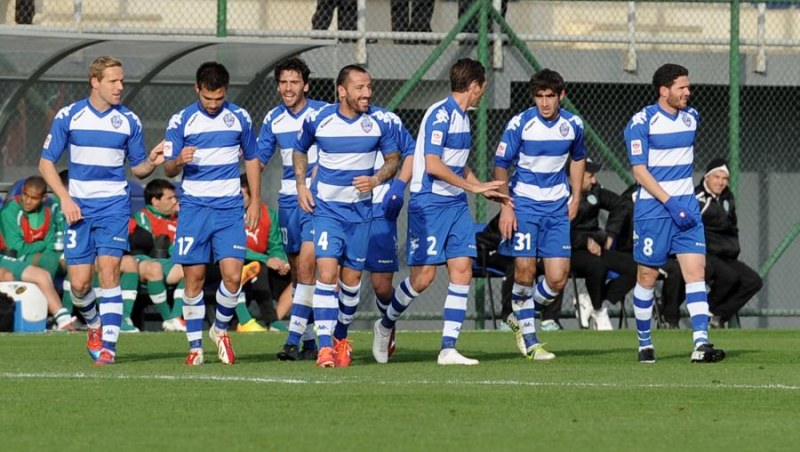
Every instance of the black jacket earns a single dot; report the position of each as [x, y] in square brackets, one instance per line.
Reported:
[586, 223]
[719, 220]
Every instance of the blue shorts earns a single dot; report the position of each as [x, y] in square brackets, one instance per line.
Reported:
[296, 228]
[203, 230]
[382, 252]
[436, 235]
[98, 236]
[344, 241]
[654, 240]
[539, 236]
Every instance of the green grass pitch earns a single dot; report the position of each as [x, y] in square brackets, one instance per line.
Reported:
[594, 396]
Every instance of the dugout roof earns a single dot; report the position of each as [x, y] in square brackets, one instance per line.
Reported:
[31, 60]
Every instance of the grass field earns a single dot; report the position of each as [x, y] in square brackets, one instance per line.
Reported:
[594, 396]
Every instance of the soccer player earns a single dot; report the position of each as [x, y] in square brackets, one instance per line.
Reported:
[204, 140]
[159, 220]
[348, 135]
[539, 143]
[440, 228]
[666, 215]
[100, 134]
[278, 134]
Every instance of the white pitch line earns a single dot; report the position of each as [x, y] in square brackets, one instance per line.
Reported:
[294, 381]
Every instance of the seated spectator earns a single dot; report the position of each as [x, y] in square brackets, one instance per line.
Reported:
[30, 229]
[609, 274]
[152, 239]
[266, 276]
[732, 283]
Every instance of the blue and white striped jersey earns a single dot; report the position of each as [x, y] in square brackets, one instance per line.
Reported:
[98, 145]
[445, 131]
[212, 178]
[406, 145]
[278, 134]
[540, 148]
[347, 149]
[665, 143]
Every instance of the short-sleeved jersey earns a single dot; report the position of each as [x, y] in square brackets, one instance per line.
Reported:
[347, 149]
[665, 144]
[212, 178]
[278, 134]
[98, 144]
[406, 145]
[445, 131]
[539, 150]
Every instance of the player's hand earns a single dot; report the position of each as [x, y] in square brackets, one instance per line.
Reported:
[593, 247]
[486, 186]
[680, 214]
[365, 184]
[157, 154]
[305, 198]
[508, 222]
[186, 156]
[72, 212]
[496, 196]
[253, 216]
[572, 207]
[393, 200]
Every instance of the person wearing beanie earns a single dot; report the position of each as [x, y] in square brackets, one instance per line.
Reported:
[733, 283]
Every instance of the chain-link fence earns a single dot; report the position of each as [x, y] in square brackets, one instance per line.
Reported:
[606, 51]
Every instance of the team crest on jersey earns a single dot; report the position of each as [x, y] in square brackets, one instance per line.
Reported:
[591, 199]
[437, 137]
[564, 129]
[116, 121]
[228, 119]
[686, 119]
[366, 124]
[726, 205]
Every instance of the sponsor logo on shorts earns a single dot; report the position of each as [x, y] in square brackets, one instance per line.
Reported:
[119, 239]
[361, 259]
[385, 261]
[700, 244]
[239, 247]
[566, 247]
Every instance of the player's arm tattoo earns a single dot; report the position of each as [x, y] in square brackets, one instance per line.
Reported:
[300, 163]
[390, 166]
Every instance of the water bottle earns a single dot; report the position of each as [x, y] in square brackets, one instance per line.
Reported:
[59, 245]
